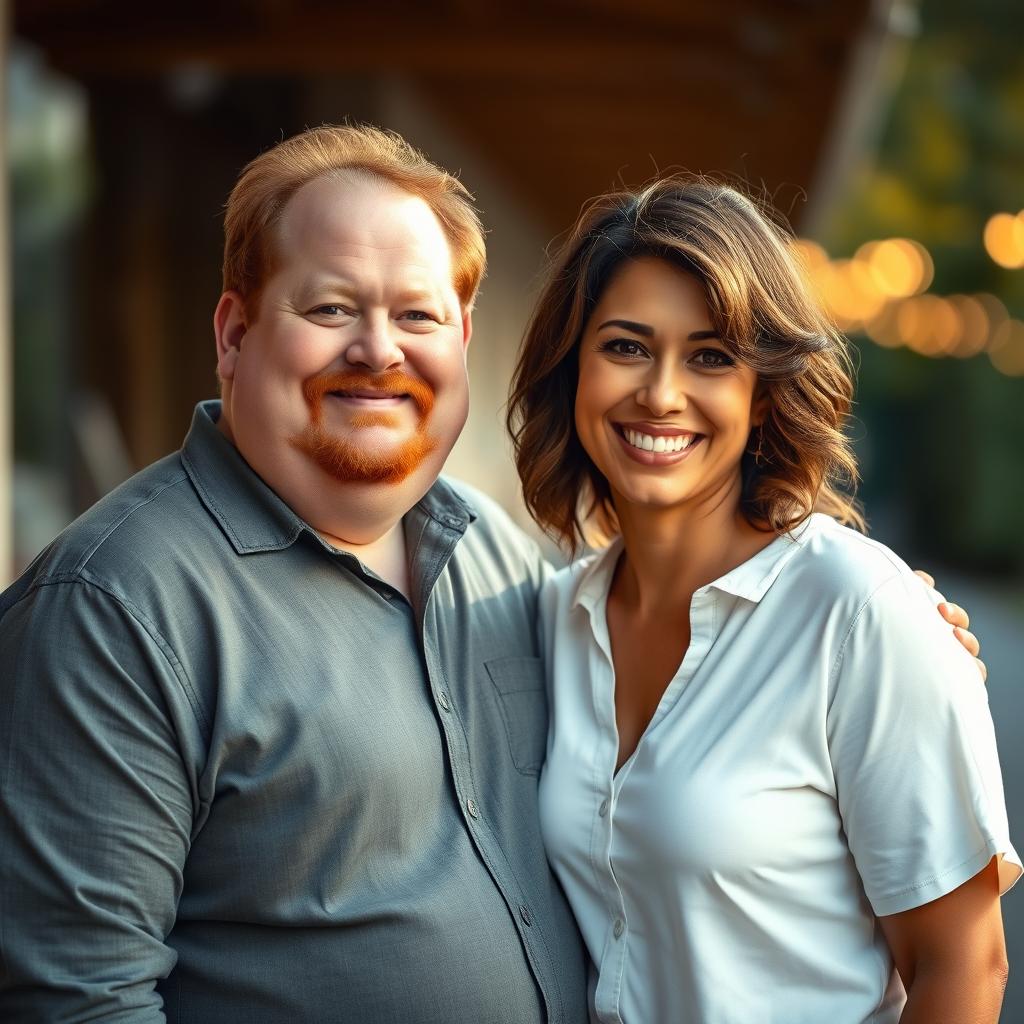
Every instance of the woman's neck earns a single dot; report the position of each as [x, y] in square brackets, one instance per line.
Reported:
[672, 552]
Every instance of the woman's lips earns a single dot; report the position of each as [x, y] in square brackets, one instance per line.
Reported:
[676, 444]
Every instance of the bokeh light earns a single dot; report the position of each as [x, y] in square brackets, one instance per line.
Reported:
[882, 291]
[899, 267]
[974, 326]
[1004, 239]
[1007, 348]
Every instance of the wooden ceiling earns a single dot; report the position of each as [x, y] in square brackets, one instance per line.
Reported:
[563, 96]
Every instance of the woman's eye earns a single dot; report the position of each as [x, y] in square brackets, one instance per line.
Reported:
[623, 347]
[330, 309]
[712, 359]
[420, 315]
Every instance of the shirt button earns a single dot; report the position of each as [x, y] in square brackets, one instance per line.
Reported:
[474, 811]
[442, 699]
[524, 913]
[618, 928]
[603, 809]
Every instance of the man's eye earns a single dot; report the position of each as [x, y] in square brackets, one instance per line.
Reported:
[623, 347]
[420, 315]
[712, 359]
[330, 310]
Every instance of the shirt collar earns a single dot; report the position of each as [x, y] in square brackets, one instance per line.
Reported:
[595, 579]
[750, 580]
[253, 516]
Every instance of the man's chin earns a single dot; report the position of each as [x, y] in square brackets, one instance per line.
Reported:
[351, 463]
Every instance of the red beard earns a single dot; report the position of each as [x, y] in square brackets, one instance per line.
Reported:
[346, 460]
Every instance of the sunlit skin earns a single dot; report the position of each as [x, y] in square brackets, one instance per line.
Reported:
[363, 285]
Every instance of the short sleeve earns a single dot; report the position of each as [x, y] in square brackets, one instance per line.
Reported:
[96, 809]
[913, 750]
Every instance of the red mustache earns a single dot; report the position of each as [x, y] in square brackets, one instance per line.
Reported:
[390, 382]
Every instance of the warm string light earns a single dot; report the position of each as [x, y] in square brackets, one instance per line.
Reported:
[882, 291]
[1004, 239]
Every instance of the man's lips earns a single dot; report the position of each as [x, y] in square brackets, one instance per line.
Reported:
[369, 398]
[361, 393]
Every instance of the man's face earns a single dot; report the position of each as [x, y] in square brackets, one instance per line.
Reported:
[354, 370]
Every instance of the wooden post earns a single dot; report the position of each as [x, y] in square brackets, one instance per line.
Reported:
[6, 346]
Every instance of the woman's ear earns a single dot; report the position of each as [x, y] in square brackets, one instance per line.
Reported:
[760, 406]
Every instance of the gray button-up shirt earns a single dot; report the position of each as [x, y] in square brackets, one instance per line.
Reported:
[242, 779]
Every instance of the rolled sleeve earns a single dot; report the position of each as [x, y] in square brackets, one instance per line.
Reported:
[96, 809]
[914, 754]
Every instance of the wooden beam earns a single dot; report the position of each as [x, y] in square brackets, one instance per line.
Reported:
[98, 38]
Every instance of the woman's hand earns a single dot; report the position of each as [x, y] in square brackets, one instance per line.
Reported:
[957, 617]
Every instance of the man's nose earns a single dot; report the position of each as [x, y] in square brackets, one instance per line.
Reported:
[663, 391]
[375, 345]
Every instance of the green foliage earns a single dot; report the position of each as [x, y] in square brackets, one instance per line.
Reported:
[944, 444]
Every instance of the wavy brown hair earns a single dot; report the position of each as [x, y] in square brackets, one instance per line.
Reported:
[761, 307]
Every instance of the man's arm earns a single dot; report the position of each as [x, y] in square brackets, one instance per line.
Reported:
[951, 954]
[96, 808]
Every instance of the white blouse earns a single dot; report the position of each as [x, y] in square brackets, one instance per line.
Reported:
[823, 754]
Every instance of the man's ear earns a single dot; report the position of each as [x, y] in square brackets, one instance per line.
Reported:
[467, 327]
[229, 326]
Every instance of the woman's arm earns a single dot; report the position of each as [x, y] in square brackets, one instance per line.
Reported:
[951, 955]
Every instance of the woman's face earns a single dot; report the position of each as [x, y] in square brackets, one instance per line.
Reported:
[662, 408]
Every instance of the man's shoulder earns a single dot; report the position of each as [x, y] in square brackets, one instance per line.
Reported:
[490, 518]
[493, 541]
[133, 531]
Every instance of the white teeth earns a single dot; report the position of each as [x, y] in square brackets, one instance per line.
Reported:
[649, 443]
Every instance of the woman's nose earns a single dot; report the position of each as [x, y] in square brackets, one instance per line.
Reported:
[663, 392]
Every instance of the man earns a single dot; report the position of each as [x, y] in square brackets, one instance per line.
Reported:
[272, 712]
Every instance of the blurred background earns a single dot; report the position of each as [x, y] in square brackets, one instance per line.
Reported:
[889, 133]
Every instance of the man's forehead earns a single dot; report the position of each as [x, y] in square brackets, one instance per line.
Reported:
[359, 216]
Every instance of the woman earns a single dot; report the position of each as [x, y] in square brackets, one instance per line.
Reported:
[771, 789]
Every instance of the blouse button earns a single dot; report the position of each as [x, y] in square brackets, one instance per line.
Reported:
[618, 928]
[603, 809]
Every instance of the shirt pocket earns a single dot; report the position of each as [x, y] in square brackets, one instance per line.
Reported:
[523, 702]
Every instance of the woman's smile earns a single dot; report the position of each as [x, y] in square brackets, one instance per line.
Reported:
[657, 446]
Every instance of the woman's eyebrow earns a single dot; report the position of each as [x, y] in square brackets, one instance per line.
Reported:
[630, 325]
[648, 332]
